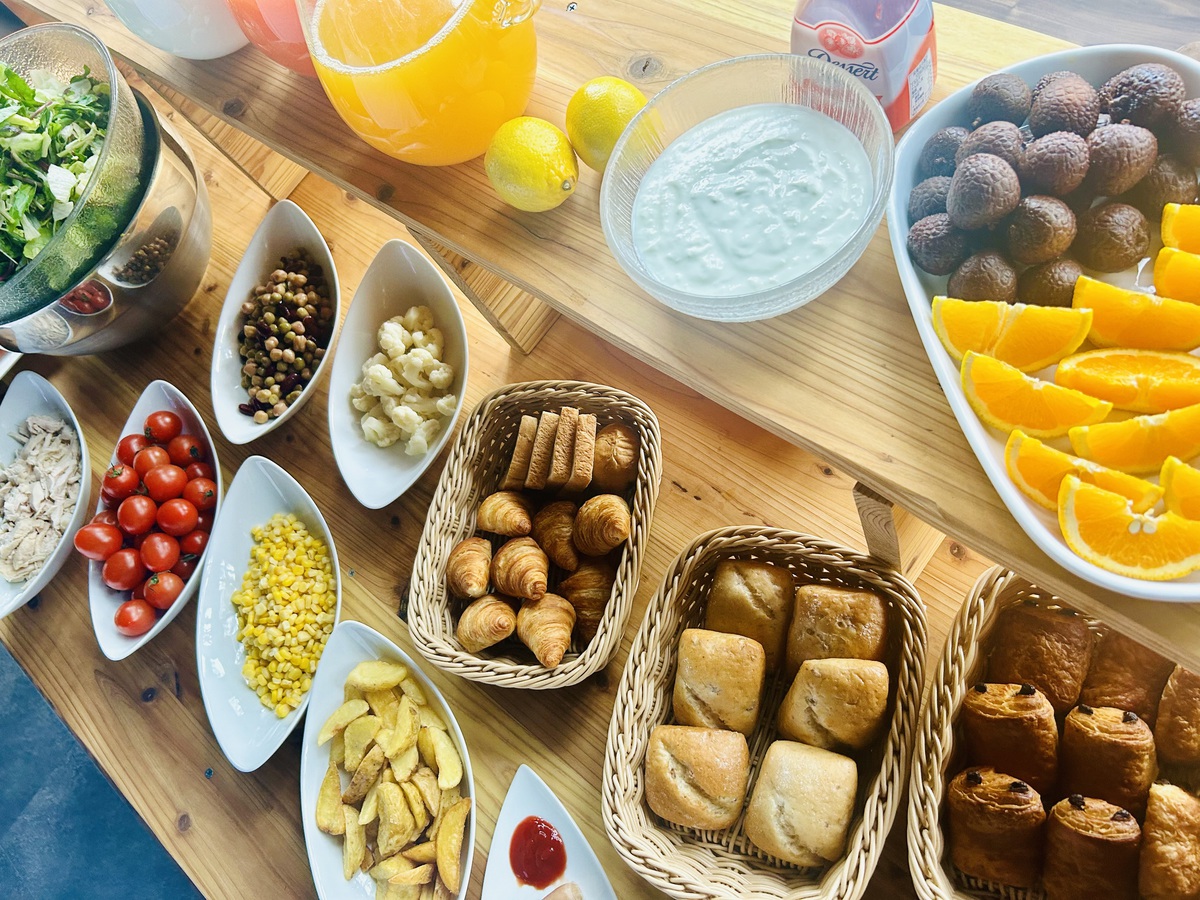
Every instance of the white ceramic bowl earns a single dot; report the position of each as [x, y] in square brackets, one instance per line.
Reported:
[101, 598]
[399, 277]
[248, 732]
[29, 394]
[283, 230]
[1097, 65]
[717, 88]
[350, 644]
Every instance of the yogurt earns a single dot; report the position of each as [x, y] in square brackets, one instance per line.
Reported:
[749, 199]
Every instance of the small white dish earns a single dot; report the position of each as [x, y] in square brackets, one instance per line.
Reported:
[350, 644]
[529, 796]
[30, 394]
[248, 732]
[399, 277]
[285, 229]
[102, 599]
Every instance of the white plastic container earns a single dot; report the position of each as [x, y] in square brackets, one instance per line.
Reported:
[193, 29]
[889, 45]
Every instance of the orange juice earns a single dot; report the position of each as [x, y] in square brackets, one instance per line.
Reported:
[426, 81]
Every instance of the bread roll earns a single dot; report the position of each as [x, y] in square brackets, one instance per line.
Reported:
[1108, 754]
[718, 680]
[1170, 863]
[615, 458]
[1011, 727]
[753, 599]
[837, 704]
[996, 827]
[1177, 731]
[836, 622]
[802, 803]
[1126, 675]
[1091, 851]
[1048, 648]
[696, 777]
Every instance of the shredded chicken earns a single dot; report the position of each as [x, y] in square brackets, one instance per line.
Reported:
[38, 491]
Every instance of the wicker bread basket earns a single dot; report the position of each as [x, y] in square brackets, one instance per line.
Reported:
[963, 663]
[691, 864]
[476, 464]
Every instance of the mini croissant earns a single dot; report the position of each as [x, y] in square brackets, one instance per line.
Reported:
[601, 524]
[467, 568]
[545, 628]
[588, 591]
[509, 513]
[487, 621]
[552, 528]
[521, 569]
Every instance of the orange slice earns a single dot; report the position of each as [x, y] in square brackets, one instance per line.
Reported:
[1181, 226]
[1026, 337]
[1136, 319]
[1038, 470]
[1177, 275]
[1146, 381]
[1102, 527]
[1181, 488]
[1143, 443]
[1005, 398]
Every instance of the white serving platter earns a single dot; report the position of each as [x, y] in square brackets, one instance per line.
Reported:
[1096, 65]
[104, 601]
[351, 643]
[248, 732]
[29, 394]
[285, 229]
[399, 277]
[528, 796]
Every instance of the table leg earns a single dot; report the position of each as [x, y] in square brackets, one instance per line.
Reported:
[895, 535]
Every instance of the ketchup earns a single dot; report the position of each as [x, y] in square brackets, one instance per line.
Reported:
[537, 853]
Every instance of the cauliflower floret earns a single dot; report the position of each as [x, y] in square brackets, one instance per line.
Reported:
[423, 403]
[446, 404]
[402, 415]
[415, 364]
[418, 318]
[379, 432]
[394, 339]
[441, 375]
[419, 443]
[378, 380]
[430, 340]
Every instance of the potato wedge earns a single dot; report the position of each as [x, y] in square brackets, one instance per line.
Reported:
[396, 823]
[449, 798]
[405, 763]
[426, 783]
[354, 843]
[364, 776]
[337, 750]
[441, 892]
[342, 716]
[449, 844]
[358, 736]
[402, 891]
[382, 703]
[449, 763]
[425, 747]
[421, 815]
[388, 775]
[413, 691]
[368, 859]
[350, 692]
[386, 868]
[424, 852]
[419, 875]
[406, 725]
[369, 811]
[428, 889]
[329, 803]
[376, 675]
[430, 718]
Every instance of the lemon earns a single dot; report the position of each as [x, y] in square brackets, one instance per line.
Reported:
[531, 165]
[596, 116]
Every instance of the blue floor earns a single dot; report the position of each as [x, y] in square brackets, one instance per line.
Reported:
[65, 831]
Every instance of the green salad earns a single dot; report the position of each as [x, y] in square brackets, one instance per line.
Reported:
[51, 135]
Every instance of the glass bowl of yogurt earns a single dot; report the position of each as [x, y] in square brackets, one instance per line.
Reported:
[748, 187]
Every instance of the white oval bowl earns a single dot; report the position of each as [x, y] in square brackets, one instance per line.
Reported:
[350, 644]
[29, 394]
[398, 277]
[102, 599]
[248, 732]
[1096, 65]
[284, 229]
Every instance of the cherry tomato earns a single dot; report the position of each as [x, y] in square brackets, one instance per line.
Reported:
[163, 426]
[128, 447]
[200, 470]
[136, 514]
[120, 481]
[98, 541]
[139, 592]
[162, 589]
[205, 522]
[184, 568]
[105, 517]
[177, 517]
[165, 483]
[110, 501]
[159, 551]
[201, 493]
[150, 457]
[193, 542]
[123, 571]
[134, 617]
[185, 449]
